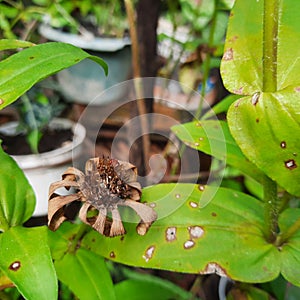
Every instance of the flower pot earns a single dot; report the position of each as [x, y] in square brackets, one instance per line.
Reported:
[45, 168]
[85, 81]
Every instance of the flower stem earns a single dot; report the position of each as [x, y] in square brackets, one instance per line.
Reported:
[270, 38]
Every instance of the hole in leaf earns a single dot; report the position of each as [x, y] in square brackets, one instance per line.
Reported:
[149, 253]
[171, 234]
[15, 266]
[290, 164]
[189, 244]
[228, 55]
[283, 144]
[195, 232]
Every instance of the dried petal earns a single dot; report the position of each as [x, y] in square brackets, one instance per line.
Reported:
[99, 224]
[56, 209]
[147, 214]
[117, 227]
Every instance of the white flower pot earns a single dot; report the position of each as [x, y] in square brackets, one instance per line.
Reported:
[44, 168]
[86, 81]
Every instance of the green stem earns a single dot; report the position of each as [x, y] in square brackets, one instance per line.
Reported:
[270, 37]
[271, 209]
[83, 229]
[290, 232]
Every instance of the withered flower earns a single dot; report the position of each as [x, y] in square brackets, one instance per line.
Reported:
[106, 184]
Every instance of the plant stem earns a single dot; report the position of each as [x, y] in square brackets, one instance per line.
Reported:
[138, 84]
[270, 38]
[271, 208]
[83, 229]
[206, 63]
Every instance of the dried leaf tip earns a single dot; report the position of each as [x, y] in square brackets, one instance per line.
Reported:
[106, 184]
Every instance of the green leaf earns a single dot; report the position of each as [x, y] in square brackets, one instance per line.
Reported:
[17, 200]
[25, 259]
[241, 66]
[7, 44]
[268, 132]
[174, 291]
[290, 250]
[226, 236]
[19, 72]
[213, 138]
[133, 289]
[86, 274]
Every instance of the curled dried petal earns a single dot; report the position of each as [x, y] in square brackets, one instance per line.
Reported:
[147, 214]
[56, 209]
[117, 227]
[106, 184]
[99, 224]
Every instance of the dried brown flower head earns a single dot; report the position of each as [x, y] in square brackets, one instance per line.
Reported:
[106, 184]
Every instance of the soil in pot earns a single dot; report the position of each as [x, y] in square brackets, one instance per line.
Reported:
[51, 139]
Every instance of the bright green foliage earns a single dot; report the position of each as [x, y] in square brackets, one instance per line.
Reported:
[21, 71]
[83, 271]
[132, 289]
[14, 44]
[17, 200]
[216, 238]
[25, 259]
[265, 124]
[213, 138]
[186, 238]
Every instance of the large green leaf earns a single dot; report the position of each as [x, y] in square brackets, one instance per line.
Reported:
[242, 64]
[25, 259]
[21, 71]
[213, 138]
[83, 271]
[290, 250]
[225, 237]
[261, 60]
[86, 274]
[268, 132]
[17, 198]
[133, 289]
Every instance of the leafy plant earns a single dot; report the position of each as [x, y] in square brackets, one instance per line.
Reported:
[200, 229]
[206, 229]
[36, 109]
[79, 16]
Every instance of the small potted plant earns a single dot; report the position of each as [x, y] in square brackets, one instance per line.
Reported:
[99, 27]
[42, 144]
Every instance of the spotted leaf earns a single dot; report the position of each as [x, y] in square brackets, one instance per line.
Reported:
[20, 71]
[187, 238]
[242, 64]
[214, 138]
[25, 259]
[267, 128]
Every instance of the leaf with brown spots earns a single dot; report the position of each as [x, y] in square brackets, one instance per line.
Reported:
[26, 260]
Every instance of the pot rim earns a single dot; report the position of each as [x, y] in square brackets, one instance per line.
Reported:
[89, 42]
[65, 153]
